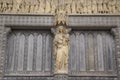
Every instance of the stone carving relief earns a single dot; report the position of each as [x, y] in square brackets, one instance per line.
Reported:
[61, 48]
[112, 6]
[61, 17]
[94, 6]
[70, 6]
[105, 6]
[118, 6]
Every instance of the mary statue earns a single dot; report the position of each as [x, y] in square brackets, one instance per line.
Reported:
[61, 48]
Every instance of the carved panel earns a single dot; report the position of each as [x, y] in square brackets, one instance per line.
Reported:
[29, 52]
[92, 52]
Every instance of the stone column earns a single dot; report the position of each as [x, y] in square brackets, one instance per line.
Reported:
[3, 37]
[116, 33]
[1, 51]
[118, 51]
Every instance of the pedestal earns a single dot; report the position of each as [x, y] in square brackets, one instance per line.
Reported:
[60, 77]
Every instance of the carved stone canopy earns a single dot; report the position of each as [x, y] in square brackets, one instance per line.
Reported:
[61, 18]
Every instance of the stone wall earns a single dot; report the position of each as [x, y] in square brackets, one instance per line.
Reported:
[104, 22]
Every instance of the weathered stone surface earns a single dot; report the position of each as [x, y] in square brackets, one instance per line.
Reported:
[46, 22]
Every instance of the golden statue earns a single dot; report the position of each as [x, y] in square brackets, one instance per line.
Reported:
[94, 6]
[8, 6]
[27, 6]
[61, 50]
[85, 7]
[4, 5]
[89, 6]
[78, 7]
[32, 6]
[53, 5]
[73, 7]
[22, 7]
[36, 8]
[105, 6]
[100, 6]
[118, 7]
[112, 6]
[68, 6]
[47, 7]
[81, 7]
[15, 6]
[41, 6]
[0, 6]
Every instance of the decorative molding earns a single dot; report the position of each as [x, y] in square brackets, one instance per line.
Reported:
[81, 22]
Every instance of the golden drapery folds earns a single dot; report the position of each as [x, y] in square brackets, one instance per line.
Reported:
[51, 6]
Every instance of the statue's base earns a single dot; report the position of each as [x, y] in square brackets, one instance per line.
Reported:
[60, 77]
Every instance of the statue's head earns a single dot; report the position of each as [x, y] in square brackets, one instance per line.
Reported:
[60, 29]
